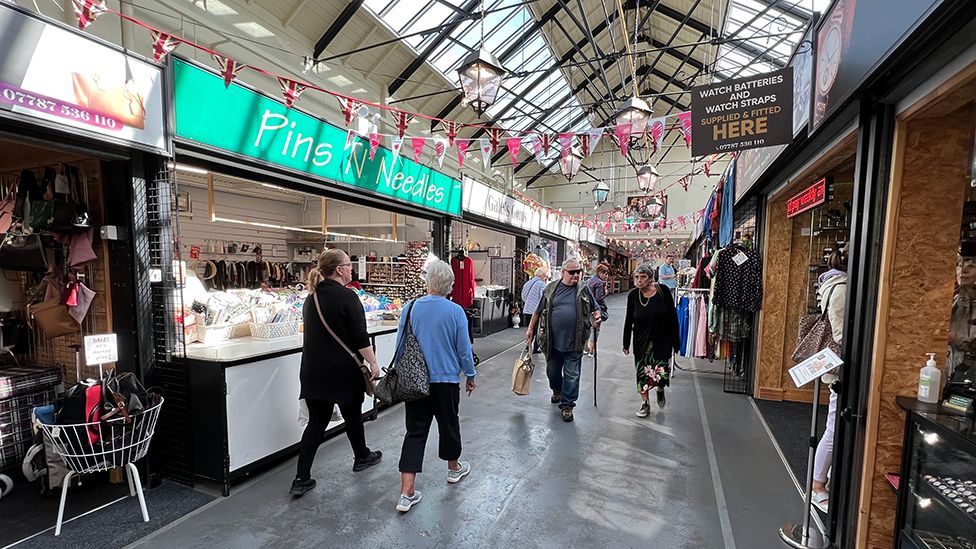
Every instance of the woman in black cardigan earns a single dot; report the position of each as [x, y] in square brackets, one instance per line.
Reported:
[653, 321]
[330, 375]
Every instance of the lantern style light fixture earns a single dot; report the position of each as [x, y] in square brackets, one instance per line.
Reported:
[636, 112]
[601, 192]
[617, 214]
[647, 178]
[481, 77]
[569, 165]
[654, 208]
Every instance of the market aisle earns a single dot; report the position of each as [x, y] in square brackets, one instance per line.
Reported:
[607, 479]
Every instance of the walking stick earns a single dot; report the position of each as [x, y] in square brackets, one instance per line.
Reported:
[595, 333]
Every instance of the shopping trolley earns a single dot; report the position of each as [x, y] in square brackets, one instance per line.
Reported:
[104, 445]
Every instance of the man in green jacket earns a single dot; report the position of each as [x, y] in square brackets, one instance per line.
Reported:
[566, 315]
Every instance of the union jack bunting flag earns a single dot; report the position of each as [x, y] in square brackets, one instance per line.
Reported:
[87, 11]
[291, 90]
[163, 44]
[228, 68]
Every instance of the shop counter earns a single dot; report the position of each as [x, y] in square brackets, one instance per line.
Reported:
[244, 402]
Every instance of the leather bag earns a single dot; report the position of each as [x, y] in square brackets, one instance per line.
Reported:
[522, 373]
[363, 367]
[22, 252]
[69, 214]
[122, 397]
[85, 297]
[407, 378]
[815, 334]
[54, 318]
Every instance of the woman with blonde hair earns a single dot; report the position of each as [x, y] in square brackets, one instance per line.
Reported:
[331, 357]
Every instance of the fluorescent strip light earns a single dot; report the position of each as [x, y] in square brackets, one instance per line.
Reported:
[188, 169]
[270, 186]
[299, 229]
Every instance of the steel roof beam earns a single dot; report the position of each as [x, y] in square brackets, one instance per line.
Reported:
[789, 8]
[336, 27]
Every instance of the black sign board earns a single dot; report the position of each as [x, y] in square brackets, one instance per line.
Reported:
[852, 41]
[746, 113]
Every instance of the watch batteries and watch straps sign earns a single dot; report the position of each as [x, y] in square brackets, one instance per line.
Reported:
[239, 120]
[746, 113]
[809, 198]
[480, 199]
[76, 82]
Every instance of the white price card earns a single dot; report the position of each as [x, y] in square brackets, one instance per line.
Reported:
[101, 349]
[814, 367]
[740, 258]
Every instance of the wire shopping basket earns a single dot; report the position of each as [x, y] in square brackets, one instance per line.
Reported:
[104, 445]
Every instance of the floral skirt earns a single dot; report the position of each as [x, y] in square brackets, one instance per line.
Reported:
[652, 372]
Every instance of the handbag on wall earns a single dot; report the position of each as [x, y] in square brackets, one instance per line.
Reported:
[54, 318]
[22, 252]
[363, 367]
[407, 378]
[69, 213]
[815, 334]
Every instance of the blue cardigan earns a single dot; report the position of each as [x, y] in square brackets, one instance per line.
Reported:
[441, 328]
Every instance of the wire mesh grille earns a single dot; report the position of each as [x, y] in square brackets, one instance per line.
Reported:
[158, 240]
[739, 364]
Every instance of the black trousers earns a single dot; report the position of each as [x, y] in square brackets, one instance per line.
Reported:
[442, 404]
[319, 415]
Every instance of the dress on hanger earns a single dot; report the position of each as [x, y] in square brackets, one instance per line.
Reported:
[464, 284]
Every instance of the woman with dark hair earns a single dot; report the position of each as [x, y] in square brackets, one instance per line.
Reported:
[331, 359]
[832, 296]
[653, 321]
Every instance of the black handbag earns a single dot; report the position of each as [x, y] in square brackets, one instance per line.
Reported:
[70, 214]
[407, 378]
[22, 252]
[122, 396]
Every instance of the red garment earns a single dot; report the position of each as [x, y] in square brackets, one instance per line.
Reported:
[354, 285]
[463, 292]
[717, 207]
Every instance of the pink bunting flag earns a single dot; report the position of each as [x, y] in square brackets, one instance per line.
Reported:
[162, 44]
[594, 135]
[685, 118]
[486, 152]
[229, 68]
[418, 147]
[462, 148]
[350, 137]
[623, 136]
[402, 120]
[290, 90]
[374, 143]
[452, 129]
[566, 143]
[440, 149]
[87, 11]
[514, 145]
[348, 106]
[655, 131]
[536, 143]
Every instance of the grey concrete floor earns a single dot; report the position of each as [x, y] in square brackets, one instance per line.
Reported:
[700, 473]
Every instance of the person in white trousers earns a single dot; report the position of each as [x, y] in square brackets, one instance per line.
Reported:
[833, 298]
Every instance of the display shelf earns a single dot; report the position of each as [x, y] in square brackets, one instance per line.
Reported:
[926, 490]
[922, 539]
[383, 285]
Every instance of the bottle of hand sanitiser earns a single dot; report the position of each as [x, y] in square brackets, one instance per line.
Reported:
[929, 381]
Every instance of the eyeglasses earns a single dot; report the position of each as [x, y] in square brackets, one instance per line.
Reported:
[344, 265]
[574, 271]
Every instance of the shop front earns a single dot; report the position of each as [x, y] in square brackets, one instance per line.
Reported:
[258, 202]
[82, 132]
[490, 255]
[592, 248]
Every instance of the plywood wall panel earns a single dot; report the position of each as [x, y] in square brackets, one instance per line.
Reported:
[920, 275]
[776, 255]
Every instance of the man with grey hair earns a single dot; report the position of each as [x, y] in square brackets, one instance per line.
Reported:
[531, 296]
[566, 315]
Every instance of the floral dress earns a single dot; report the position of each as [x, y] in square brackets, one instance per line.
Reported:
[652, 372]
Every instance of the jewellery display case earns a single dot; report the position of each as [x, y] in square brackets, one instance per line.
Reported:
[937, 491]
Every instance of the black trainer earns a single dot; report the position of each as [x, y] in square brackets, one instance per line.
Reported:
[299, 487]
[567, 414]
[372, 459]
[555, 398]
[661, 400]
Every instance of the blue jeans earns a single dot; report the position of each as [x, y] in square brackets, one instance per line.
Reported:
[563, 370]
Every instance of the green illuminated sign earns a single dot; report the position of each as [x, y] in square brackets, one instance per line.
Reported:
[242, 121]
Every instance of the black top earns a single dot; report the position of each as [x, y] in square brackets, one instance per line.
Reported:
[328, 372]
[738, 284]
[654, 323]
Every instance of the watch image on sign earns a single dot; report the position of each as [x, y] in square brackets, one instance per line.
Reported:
[101, 349]
[809, 198]
[746, 113]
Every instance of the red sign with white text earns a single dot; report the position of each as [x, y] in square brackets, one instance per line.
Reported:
[809, 198]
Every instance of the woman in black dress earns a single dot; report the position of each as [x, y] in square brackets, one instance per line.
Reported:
[653, 321]
[330, 372]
